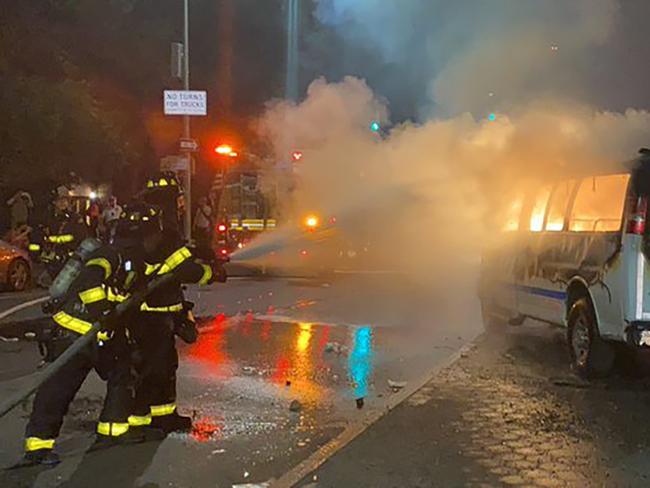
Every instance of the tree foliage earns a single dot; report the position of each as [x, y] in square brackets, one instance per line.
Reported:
[81, 84]
[63, 111]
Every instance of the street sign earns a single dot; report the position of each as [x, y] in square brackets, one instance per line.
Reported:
[186, 102]
[173, 163]
[188, 145]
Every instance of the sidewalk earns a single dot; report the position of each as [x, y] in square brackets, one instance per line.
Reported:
[509, 413]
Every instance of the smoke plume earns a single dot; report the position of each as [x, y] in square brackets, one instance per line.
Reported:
[508, 99]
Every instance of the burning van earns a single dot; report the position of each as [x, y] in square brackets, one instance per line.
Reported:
[575, 252]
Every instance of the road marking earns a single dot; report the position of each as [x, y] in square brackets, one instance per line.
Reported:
[21, 306]
[318, 458]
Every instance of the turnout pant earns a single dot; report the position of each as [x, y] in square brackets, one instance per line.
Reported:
[155, 394]
[53, 398]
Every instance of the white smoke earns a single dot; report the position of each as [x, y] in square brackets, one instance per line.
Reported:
[426, 196]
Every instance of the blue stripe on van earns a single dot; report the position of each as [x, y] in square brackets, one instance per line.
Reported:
[543, 292]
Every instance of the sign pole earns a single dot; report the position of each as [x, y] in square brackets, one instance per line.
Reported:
[186, 124]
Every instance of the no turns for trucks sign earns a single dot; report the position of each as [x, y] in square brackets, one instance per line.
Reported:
[190, 102]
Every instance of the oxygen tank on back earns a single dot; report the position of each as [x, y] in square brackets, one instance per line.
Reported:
[73, 267]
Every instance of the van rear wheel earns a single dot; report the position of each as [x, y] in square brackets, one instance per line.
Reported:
[591, 356]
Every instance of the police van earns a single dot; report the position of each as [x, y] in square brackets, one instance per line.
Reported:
[575, 252]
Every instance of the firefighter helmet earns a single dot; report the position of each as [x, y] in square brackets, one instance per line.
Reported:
[136, 222]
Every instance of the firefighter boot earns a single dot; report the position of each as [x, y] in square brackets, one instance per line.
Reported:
[43, 457]
[172, 423]
[130, 437]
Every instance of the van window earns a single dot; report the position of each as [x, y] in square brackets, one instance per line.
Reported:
[558, 206]
[539, 208]
[512, 212]
[599, 204]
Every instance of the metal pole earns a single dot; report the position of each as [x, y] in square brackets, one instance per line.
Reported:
[186, 123]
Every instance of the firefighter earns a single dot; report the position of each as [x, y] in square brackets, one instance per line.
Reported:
[164, 315]
[108, 275]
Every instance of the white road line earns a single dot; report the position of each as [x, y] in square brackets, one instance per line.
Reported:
[318, 458]
[21, 306]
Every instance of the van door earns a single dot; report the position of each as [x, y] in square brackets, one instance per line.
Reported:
[500, 261]
[539, 294]
[595, 222]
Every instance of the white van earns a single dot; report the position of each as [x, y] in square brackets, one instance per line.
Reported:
[575, 253]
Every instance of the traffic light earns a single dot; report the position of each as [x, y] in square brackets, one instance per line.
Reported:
[222, 228]
[296, 155]
[375, 126]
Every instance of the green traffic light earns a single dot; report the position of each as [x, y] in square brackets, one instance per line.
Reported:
[375, 126]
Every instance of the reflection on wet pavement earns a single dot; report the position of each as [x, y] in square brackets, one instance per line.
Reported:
[242, 374]
[269, 365]
[360, 362]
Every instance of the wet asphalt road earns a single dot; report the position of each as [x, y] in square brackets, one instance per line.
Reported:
[329, 345]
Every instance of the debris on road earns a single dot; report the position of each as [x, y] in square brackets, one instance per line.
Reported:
[359, 403]
[335, 347]
[8, 339]
[249, 370]
[218, 451]
[295, 406]
[397, 385]
[570, 382]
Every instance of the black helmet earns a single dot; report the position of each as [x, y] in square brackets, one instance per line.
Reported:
[136, 222]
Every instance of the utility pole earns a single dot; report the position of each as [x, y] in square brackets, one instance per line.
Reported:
[225, 73]
[187, 184]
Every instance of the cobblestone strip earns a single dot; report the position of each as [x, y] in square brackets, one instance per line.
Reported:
[521, 435]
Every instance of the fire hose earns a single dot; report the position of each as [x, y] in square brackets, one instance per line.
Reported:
[82, 342]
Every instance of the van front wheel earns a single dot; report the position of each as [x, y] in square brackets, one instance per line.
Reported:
[591, 356]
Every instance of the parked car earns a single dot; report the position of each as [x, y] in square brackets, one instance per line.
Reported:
[576, 252]
[15, 267]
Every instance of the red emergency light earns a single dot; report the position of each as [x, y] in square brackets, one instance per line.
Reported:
[296, 155]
